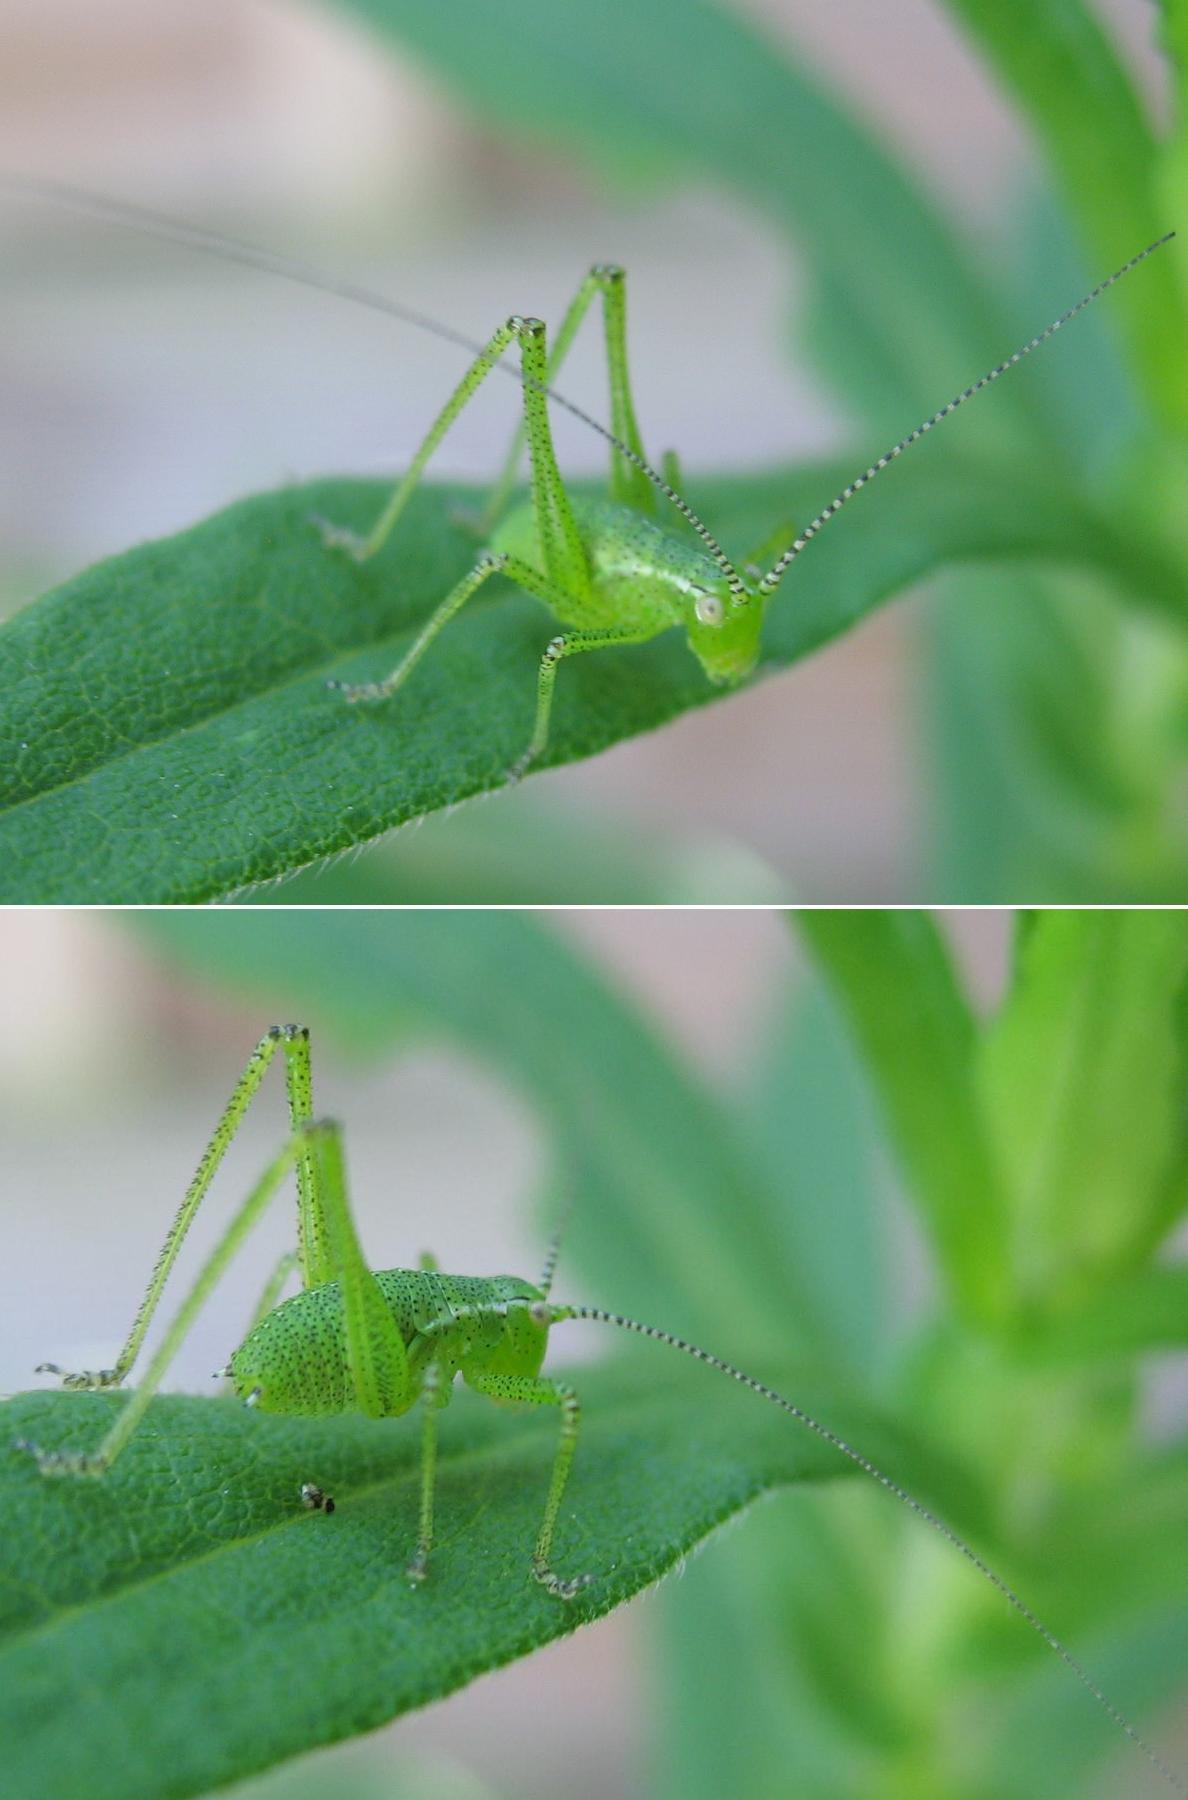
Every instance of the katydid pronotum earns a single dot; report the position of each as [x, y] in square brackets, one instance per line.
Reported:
[609, 570]
[380, 1342]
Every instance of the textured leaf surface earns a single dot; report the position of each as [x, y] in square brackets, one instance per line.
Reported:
[166, 733]
[192, 1578]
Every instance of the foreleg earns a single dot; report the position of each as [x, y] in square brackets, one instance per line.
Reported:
[489, 563]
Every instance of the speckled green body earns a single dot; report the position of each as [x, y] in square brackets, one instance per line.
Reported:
[295, 1359]
[643, 579]
[353, 1340]
[610, 574]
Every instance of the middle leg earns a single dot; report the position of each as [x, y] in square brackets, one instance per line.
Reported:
[489, 563]
[541, 1391]
[572, 643]
[432, 1399]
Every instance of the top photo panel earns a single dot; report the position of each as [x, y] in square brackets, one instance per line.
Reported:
[404, 404]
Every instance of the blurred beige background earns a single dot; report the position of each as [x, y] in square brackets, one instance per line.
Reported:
[142, 386]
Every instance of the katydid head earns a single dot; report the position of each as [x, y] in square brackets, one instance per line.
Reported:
[724, 630]
[521, 1311]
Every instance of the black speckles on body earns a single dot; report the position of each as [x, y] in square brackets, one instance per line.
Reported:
[296, 1356]
[771, 579]
[641, 575]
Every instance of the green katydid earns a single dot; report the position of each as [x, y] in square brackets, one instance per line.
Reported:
[383, 1342]
[610, 572]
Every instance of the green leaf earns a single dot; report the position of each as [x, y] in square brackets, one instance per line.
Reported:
[1082, 1081]
[1174, 183]
[810, 1120]
[1140, 1664]
[1130, 1531]
[166, 733]
[236, 1629]
[535, 850]
[1146, 1311]
[806, 1587]
[810, 1587]
[895, 982]
[1055, 58]
[1058, 745]
[1059, 753]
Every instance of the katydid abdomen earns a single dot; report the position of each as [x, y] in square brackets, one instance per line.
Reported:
[296, 1360]
[639, 572]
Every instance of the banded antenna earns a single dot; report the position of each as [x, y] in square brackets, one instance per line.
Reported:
[271, 262]
[548, 1313]
[772, 579]
[213, 243]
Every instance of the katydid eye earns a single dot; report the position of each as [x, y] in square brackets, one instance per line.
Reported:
[709, 609]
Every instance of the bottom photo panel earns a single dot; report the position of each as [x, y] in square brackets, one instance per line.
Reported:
[488, 1355]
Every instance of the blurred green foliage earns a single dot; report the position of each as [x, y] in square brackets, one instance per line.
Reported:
[833, 1648]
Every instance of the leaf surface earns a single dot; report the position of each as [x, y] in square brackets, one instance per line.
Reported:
[191, 1576]
[166, 732]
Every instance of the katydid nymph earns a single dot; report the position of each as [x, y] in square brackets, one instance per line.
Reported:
[384, 1342]
[615, 571]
